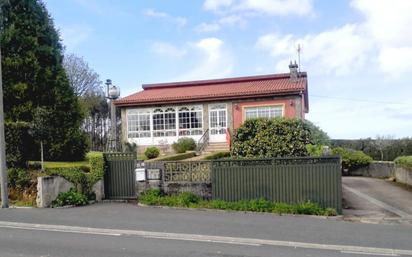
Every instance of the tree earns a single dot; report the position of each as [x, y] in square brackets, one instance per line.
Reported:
[81, 77]
[40, 129]
[319, 137]
[34, 76]
[382, 142]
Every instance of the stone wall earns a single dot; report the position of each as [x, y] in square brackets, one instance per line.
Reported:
[203, 190]
[49, 187]
[378, 169]
[403, 176]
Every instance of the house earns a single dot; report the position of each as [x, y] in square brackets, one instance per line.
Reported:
[162, 113]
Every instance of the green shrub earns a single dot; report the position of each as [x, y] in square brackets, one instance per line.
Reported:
[184, 144]
[19, 144]
[151, 152]
[69, 198]
[352, 159]
[35, 165]
[267, 138]
[218, 155]
[404, 161]
[96, 162]
[73, 175]
[314, 150]
[18, 178]
[187, 199]
[177, 157]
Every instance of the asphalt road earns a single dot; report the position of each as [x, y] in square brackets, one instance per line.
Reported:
[127, 230]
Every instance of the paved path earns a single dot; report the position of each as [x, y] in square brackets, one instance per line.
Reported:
[128, 230]
[376, 200]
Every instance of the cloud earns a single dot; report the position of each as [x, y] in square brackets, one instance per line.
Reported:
[337, 51]
[267, 7]
[215, 60]
[166, 49]
[179, 21]
[74, 35]
[381, 40]
[207, 27]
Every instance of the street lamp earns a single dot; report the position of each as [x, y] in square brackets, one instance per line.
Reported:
[112, 94]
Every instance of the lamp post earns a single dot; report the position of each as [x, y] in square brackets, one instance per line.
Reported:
[113, 93]
[3, 167]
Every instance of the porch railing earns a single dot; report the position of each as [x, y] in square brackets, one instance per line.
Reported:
[203, 142]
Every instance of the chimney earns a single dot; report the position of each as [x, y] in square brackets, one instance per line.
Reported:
[294, 74]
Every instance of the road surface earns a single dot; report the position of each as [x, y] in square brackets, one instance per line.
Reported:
[115, 229]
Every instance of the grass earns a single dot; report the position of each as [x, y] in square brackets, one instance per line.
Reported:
[156, 198]
[55, 165]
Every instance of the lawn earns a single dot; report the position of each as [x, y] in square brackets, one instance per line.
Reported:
[54, 165]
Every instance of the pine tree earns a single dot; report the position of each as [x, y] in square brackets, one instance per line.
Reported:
[33, 76]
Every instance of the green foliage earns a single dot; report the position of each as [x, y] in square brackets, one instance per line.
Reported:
[177, 157]
[314, 150]
[404, 161]
[318, 136]
[18, 178]
[19, 144]
[69, 198]
[152, 152]
[33, 76]
[392, 149]
[187, 199]
[217, 155]
[266, 138]
[352, 159]
[75, 175]
[96, 162]
[54, 165]
[184, 144]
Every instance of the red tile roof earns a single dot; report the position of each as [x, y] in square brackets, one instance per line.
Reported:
[217, 89]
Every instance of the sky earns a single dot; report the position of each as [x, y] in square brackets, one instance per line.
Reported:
[357, 53]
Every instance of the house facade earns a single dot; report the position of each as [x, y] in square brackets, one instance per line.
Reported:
[162, 113]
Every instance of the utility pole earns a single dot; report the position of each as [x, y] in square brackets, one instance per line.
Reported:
[3, 167]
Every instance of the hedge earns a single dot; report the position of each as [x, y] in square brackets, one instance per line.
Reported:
[177, 157]
[83, 181]
[217, 155]
[352, 159]
[267, 138]
[404, 161]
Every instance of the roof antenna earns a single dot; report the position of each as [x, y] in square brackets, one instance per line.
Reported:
[299, 49]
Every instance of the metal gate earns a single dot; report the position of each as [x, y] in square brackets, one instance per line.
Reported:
[120, 176]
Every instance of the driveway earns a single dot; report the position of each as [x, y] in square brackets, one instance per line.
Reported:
[374, 200]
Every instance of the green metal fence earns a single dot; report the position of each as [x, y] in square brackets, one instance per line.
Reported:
[288, 180]
[120, 176]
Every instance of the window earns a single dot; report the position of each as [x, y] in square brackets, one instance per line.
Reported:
[138, 124]
[264, 112]
[190, 121]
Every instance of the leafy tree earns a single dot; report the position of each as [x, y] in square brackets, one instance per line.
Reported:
[33, 75]
[319, 137]
[40, 129]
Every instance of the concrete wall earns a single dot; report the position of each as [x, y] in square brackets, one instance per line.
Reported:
[403, 176]
[49, 187]
[378, 169]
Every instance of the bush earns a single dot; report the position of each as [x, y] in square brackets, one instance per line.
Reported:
[404, 161]
[268, 138]
[69, 198]
[18, 178]
[352, 159]
[187, 199]
[177, 157]
[314, 150]
[74, 175]
[151, 152]
[218, 155]
[184, 144]
[96, 162]
[19, 144]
